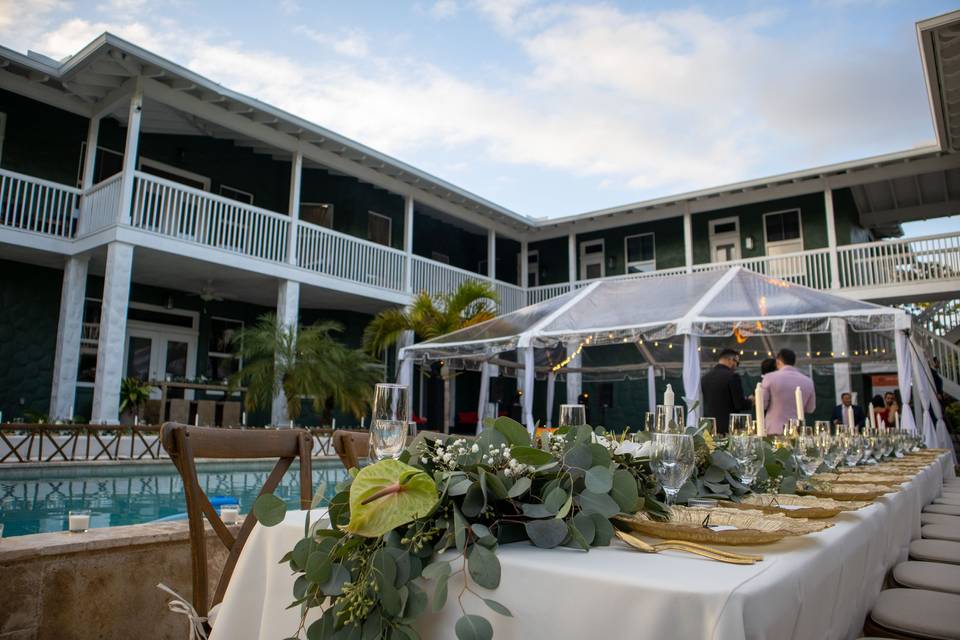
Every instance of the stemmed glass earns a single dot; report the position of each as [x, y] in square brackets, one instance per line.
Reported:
[709, 425]
[869, 440]
[808, 450]
[748, 451]
[669, 418]
[388, 429]
[572, 415]
[673, 461]
[741, 424]
[853, 448]
[833, 450]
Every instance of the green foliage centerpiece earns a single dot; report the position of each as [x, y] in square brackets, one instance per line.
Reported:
[399, 529]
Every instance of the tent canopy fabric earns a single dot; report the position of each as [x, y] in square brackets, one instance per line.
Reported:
[713, 304]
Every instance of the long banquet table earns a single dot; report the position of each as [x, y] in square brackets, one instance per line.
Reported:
[811, 587]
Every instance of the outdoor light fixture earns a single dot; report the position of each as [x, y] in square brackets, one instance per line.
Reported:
[748, 243]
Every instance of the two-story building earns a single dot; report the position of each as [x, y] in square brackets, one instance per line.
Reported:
[148, 213]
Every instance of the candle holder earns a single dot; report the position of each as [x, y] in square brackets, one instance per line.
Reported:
[78, 520]
[230, 513]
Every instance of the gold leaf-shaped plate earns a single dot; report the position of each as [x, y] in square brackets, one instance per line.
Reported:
[857, 492]
[863, 478]
[752, 526]
[794, 506]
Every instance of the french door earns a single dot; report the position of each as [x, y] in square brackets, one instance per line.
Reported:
[153, 352]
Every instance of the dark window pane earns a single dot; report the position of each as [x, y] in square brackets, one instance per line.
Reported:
[783, 226]
[221, 368]
[222, 335]
[176, 359]
[138, 357]
[159, 317]
[726, 227]
[88, 366]
[593, 248]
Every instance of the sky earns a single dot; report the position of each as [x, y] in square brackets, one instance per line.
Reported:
[551, 108]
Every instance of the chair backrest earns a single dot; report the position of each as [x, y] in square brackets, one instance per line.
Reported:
[231, 414]
[185, 444]
[351, 447]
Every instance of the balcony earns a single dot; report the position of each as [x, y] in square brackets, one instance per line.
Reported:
[887, 270]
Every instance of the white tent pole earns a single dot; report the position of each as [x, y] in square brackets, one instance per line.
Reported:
[551, 389]
[484, 398]
[652, 388]
[691, 377]
[528, 380]
[904, 379]
[405, 368]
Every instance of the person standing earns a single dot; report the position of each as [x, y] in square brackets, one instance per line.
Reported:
[779, 392]
[722, 390]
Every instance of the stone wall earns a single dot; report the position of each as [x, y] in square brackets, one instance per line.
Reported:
[100, 584]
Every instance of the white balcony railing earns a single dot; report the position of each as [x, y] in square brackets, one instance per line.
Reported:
[100, 205]
[512, 297]
[38, 206]
[177, 211]
[344, 256]
[437, 277]
[897, 262]
[806, 268]
[546, 291]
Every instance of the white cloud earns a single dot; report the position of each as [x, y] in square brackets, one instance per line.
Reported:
[351, 43]
[444, 9]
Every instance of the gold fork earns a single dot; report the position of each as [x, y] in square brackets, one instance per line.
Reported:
[689, 547]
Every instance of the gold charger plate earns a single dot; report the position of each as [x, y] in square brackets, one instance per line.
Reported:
[862, 478]
[858, 492]
[752, 526]
[794, 506]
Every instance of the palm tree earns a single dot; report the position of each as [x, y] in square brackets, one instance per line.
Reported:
[428, 317]
[307, 362]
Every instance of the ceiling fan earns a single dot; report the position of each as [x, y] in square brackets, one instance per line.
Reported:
[208, 293]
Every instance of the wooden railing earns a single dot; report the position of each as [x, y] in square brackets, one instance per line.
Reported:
[100, 205]
[171, 209]
[344, 256]
[897, 262]
[38, 206]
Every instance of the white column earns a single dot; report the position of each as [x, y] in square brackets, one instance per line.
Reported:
[288, 308]
[572, 259]
[574, 380]
[840, 345]
[484, 397]
[831, 239]
[408, 244]
[687, 237]
[529, 377]
[551, 391]
[492, 254]
[67, 359]
[113, 333]
[90, 153]
[130, 152]
[296, 171]
[405, 367]
[652, 388]
[691, 377]
[901, 343]
[524, 265]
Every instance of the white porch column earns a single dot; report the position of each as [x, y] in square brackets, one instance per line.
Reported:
[652, 388]
[130, 153]
[572, 259]
[405, 367]
[524, 266]
[551, 392]
[491, 254]
[687, 237]
[529, 379]
[408, 244]
[288, 308]
[574, 380]
[840, 346]
[296, 171]
[90, 153]
[831, 239]
[67, 358]
[113, 333]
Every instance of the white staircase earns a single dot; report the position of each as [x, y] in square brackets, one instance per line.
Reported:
[947, 353]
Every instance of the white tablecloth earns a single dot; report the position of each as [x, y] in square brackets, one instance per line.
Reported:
[817, 586]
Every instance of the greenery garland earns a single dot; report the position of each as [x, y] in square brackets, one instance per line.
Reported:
[446, 505]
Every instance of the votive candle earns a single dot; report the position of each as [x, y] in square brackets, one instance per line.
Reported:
[230, 514]
[758, 402]
[78, 521]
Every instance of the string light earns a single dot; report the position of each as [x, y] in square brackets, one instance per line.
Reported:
[566, 361]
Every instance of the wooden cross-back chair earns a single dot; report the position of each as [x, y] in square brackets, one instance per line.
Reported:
[353, 446]
[185, 444]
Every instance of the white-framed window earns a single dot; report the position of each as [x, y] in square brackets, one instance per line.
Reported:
[592, 260]
[640, 253]
[379, 228]
[3, 132]
[222, 359]
[236, 194]
[782, 232]
[176, 174]
[318, 213]
[436, 256]
[108, 162]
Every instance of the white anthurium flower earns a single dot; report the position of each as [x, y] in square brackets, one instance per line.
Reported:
[635, 449]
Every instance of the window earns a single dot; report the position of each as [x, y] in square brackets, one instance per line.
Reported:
[236, 194]
[439, 257]
[782, 226]
[784, 235]
[222, 361]
[640, 252]
[175, 174]
[591, 260]
[725, 239]
[107, 163]
[379, 228]
[318, 213]
[482, 267]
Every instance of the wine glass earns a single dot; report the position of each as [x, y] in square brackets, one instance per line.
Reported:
[572, 415]
[673, 460]
[821, 427]
[669, 418]
[741, 424]
[870, 444]
[792, 428]
[388, 429]
[807, 451]
[649, 421]
[709, 425]
[748, 451]
[833, 450]
[853, 448]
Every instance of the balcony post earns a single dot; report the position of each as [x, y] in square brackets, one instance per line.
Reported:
[89, 162]
[113, 333]
[408, 244]
[831, 238]
[524, 265]
[288, 312]
[130, 152]
[572, 259]
[491, 254]
[687, 237]
[296, 170]
[66, 360]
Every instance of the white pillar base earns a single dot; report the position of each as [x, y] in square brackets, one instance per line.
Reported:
[67, 359]
[113, 334]
[288, 311]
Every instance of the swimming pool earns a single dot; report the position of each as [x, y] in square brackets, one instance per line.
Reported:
[37, 500]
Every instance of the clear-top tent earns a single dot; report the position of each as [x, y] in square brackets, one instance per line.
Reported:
[612, 329]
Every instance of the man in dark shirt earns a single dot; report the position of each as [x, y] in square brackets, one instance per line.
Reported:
[723, 391]
[841, 412]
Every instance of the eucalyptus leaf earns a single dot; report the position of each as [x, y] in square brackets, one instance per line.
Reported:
[604, 530]
[473, 501]
[579, 457]
[494, 485]
[531, 456]
[714, 474]
[555, 499]
[389, 598]
[319, 567]
[473, 627]
[300, 554]
[439, 598]
[373, 626]
[598, 503]
[599, 455]
[546, 534]
[515, 433]
[338, 577]
[599, 479]
[496, 606]
[269, 509]
[625, 491]
[484, 566]
[459, 529]
[436, 570]
[416, 602]
[385, 569]
[723, 459]
[405, 632]
[458, 488]
[583, 523]
[537, 510]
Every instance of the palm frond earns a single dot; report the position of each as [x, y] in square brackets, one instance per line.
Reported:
[470, 298]
[385, 330]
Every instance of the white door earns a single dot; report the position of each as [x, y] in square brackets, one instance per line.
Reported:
[591, 260]
[724, 240]
[153, 352]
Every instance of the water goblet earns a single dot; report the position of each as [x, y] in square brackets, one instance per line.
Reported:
[709, 425]
[669, 418]
[673, 461]
[391, 415]
[833, 450]
[572, 415]
[821, 427]
[852, 448]
[792, 428]
[748, 452]
[741, 424]
[808, 451]
[649, 421]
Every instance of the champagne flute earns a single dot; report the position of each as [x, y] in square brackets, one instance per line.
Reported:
[388, 429]
[748, 451]
[673, 461]
[572, 415]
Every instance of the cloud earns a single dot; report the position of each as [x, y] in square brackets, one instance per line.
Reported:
[443, 9]
[351, 43]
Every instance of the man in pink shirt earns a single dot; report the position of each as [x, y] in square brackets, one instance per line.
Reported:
[779, 392]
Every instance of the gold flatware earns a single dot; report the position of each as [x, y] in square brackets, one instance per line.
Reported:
[689, 547]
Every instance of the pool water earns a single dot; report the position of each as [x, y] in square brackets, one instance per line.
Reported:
[37, 500]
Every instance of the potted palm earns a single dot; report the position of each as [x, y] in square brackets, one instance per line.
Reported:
[133, 394]
[428, 317]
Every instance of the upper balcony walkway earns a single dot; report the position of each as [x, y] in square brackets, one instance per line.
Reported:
[171, 217]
